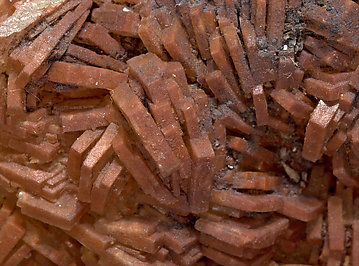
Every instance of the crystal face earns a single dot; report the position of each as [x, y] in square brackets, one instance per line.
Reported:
[175, 132]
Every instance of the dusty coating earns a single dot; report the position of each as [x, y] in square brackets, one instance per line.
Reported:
[26, 15]
[175, 132]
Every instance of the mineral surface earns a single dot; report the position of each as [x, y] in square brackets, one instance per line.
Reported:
[179, 132]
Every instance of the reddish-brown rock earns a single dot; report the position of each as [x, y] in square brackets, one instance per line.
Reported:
[146, 130]
[78, 152]
[150, 32]
[64, 213]
[118, 19]
[245, 202]
[290, 103]
[175, 40]
[85, 76]
[95, 160]
[223, 91]
[260, 105]
[335, 224]
[252, 180]
[222, 60]
[238, 57]
[179, 133]
[94, 34]
[317, 130]
[93, 58]
[275, 22]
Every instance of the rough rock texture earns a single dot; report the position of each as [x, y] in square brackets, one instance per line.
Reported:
[176, 132]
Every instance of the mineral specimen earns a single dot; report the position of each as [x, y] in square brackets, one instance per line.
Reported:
[177, 132]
